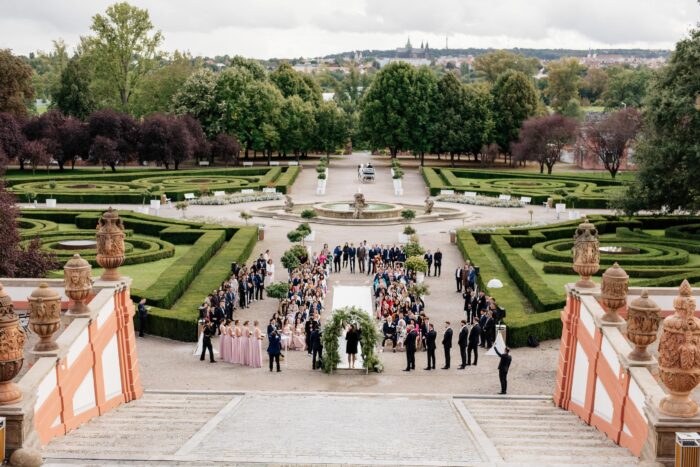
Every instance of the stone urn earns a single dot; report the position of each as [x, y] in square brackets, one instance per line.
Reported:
[586, 253]
[643, 318]
[44, 316]
[110, 244]
[11, 350]
[613, 292]
[77, 282]
[679, 356]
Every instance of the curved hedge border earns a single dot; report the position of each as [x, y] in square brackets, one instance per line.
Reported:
[589, 192]
[129, 187]
[177, 292]
[30, 228]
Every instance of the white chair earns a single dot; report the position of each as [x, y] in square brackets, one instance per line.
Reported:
[274, 163]
[447, 192]
[190, 196]
[270, 190]
[247, 191]
[292, 163]
[504, 197]
[50, 203]
[204, 163]
[219, 194]
[470, 194]
[155, 204]
[525, 199]
[247, 164]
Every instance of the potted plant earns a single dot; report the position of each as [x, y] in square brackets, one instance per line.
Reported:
[397, 176]
[321, 188]
[408, 214]
[290, 260]
[413, 248]
[405, 237]
[246, 216]
[308, 214]
[418, 265]
[182, 206]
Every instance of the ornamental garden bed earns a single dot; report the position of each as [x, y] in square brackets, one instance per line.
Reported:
[534, 263]
[173, 263]
[578, 191]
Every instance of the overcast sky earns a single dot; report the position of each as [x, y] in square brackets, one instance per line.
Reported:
[294, 28]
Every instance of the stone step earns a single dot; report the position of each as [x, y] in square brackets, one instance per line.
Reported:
[590, 459]
[582, 439]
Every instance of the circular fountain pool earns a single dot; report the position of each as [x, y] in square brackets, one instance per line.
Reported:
[343, 210]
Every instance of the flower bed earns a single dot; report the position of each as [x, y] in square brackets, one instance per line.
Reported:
[235, 198]
[482, 201]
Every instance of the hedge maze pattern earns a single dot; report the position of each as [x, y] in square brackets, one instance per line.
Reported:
[135, 187]
[175, 295]
[661, 261]
[582, 191]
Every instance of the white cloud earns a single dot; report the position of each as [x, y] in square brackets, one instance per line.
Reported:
[286, 28]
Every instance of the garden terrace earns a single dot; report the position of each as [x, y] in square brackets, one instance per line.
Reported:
[579, 191]
[534, 263]
[173, 263]
[135, 187]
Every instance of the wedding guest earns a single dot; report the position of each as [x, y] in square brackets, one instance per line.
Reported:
[298, 339]
[447, 344]
[410, 344]
[225, 341]
[256, 347]
[389, 330]
[352, 336]
[462, 341]
[473, 345]
[245, 344]
[143, 316]
[316, 346]
[437, 261]
[430, 346]
[236, 349]
[274, 348]
[286, 334]
[208, 332]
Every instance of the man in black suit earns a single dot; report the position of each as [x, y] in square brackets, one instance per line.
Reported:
[482, 325]
[458, 278]
[473, 342]
[447, 344]
[207, 334]
[219, 316]
[361, 255]
[230, 298]
[389, 330]
[352, 251]
[410, 345]
[490, 330]
[428, 257]
[437, 259]
[462, 341]
[317, 346]
[503, 367]
[430, 345]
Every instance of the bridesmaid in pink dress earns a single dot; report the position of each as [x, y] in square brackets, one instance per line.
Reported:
[256, 347]
[235, 343]
[225, 341]
[245, 344]
[298, 339]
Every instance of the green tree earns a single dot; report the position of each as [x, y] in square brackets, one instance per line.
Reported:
[73, 96]
[331, 127]
[123, 49]
[198, 97]
[258, 122]
[515, 99]
[626, 87]
[491, 65]
[477, 118]
[297, 126]
[668, 157]
[386, 108]
[253, 66]
[593, 84]
[48, 68]
[292, 83]
[159, 86]
[424, 112]
[16, 90]
[564, 77]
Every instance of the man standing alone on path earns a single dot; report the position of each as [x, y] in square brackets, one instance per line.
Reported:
[447, 344]
[430, 345]
[473, 342]
[437, 258]
[428, 257]
[462, 341]
[503, 367]
[143, 315]
[410, 345]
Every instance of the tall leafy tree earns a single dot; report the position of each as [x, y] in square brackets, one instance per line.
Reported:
[16, 89]
[386, 108]
[515, 99]
[626, 87]
[542, 140]
[449, 132]
[123, 49]
[11, 137]
[564, 77]
[477, 118]
[331, 127]
[491, 65]
[73, 95]
[46, 129]
[609, 139]
[424, 113]
[160, 85]
[166, 140]
[668, 156]
[296, 126]
[292, 83]
[225, 147]
[198, 97]
[35, 153]
[118, 135]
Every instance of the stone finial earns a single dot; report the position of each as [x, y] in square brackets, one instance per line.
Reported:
[679, 355]
[45, 316]
[643, 318]
[613, 292]
[586, 253]
[77, 282]
[12, 340]
[110, 244]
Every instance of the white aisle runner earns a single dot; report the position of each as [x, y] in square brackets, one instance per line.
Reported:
[346, 296]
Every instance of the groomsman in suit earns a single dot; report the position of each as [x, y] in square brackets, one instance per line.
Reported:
[465, 276]
[352, 251]
[503, 367]
[362, 255]
[473, 344]
[463, 341]
[437, 258]
[482, 324]
[428, 257]
[410, 345]
[458, 278]
[230, 299]
[430, 339]
[447, 344]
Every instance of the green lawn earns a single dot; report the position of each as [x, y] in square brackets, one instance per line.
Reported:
[143, 275]
[504, 277]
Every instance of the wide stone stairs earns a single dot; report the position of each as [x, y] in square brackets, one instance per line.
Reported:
[535, 432]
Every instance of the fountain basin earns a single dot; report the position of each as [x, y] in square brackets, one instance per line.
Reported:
[618, 250]
[345, 210]
[76, 245]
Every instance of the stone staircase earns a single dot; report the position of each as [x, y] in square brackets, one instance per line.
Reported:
[536, 432]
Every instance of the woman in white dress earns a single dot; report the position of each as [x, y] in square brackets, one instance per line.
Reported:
[287, 334]
[270, 278]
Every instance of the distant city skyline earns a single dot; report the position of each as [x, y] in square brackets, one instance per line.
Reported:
[310, 28]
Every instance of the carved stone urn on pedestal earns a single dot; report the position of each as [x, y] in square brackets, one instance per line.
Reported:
[77, 282]
[613, 292]
[643, 318]
[110, 244]
[11, 350]
[45, 316]
[679, 356]
[586, 253]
